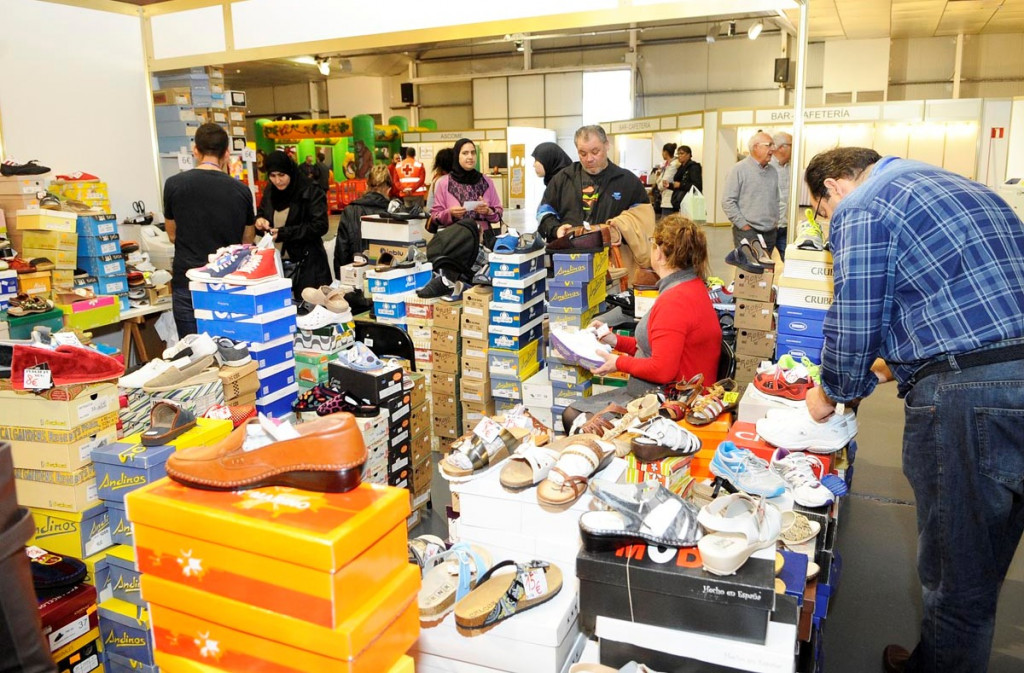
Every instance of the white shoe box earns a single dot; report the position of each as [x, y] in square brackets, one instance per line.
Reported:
[755, 405]
[429, 663]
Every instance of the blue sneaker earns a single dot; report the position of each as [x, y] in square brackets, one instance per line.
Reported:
[229, 262]
[745, 471]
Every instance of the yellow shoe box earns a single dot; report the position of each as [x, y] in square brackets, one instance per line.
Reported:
[50, 240]
[80, 404]
[78, 534]
[61, 491]
[47, 220]
[207, 431]
[64, 456]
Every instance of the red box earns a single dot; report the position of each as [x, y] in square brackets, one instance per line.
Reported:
[69, 615]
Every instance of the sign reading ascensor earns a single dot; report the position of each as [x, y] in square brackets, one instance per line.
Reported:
[842, 113]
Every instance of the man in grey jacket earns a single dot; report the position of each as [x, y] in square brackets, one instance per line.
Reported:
[751, 195]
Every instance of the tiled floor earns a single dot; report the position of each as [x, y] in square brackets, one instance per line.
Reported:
[879, 600]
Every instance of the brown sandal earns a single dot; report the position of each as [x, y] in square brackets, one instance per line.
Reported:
[603, 421]
[721, 397]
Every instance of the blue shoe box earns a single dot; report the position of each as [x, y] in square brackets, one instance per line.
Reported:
[122, 467]
[167, 144]
[515, 316]
[577, 318]
[120, 527]
[799, 346]
[801, 321]
[523, 291]
[278, 404]
[579, 267]
[96, 246]
[174, 113]
[273, 353]
[112, 285]
[572, 295]
[124, 301]
[276, 380]
[124, 576]
[567, 393]
[177, 128]
[390, 306]
[515, 364]
[248, 300]
[398, 281]
[118, 664]
[124, 630]
[96, 225]
[9, 285]
[519, 339]
[515, 267]
[254, 329]
[103, 266]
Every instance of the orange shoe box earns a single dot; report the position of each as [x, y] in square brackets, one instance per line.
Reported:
[172, 664]
[235, 637]
[316, 556]
[712, 434]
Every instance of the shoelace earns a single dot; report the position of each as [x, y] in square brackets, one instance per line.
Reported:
[251, 263]
[798, 469]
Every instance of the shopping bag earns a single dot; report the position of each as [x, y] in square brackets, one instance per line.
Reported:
[693, 206]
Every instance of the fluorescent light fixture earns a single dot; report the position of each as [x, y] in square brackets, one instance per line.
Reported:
[755, 29]
[324, 66]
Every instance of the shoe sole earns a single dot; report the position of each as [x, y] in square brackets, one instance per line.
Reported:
[596, 543]
[733, 259]
[336, 481]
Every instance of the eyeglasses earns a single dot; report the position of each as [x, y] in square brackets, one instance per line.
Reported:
[764, 144]
[817, 208]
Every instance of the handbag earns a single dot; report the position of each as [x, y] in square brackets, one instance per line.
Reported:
[693, 206]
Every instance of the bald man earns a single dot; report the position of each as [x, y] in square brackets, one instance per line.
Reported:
[751, 195]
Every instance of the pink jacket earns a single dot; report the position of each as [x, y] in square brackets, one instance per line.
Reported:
[444, 200]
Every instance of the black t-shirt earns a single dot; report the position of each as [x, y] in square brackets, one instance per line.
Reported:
[210, 210]
[593, 186]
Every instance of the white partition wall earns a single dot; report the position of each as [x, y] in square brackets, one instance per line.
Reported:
[74, 94]
[527, 139]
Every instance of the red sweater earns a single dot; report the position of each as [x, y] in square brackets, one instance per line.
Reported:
[684, 335]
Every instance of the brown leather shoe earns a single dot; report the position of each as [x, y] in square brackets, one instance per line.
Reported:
[894, 658]
[328, 456]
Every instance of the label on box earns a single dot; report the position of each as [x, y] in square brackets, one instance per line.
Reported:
[39, 378]
[69, 632]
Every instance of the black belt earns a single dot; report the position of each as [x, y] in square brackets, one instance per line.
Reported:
[979, 358]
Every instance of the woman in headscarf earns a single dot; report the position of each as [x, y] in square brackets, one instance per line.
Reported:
[548, 160]
[465, 184]
[293, 211]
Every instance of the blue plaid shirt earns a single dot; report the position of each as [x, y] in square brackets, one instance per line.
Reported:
[927, 263]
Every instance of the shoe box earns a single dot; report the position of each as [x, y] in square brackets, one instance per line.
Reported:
[245, 380]
[62, 491]
[83, 659]
[515, 364]
[390, 308]
[68, 616]
[801, 332]
[476, 302]
[78, 534]
[668, 588]
[518, 291]
[755, 405]
[509, 318]
[278, 403]
[59, 450]
[516, 267]
[122, 467]
[125, 630]
[567, 294]
[121, 532]
[571, 318]
[579, 267]
[399, 281]
[61, 408]
[260, 328]
[115, 663]
[475, 369]
[374, 386]
[124, 574]
[383, 229]
[753, 286]
[249, 300]
[710, 435]
[514, 339]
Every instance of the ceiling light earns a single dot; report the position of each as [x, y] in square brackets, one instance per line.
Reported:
[732, 29]
[324, 66]
[713, 31]
[755, 29]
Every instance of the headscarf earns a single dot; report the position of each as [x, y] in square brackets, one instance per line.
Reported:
[279, 162]
[460, 174]
[553, 158]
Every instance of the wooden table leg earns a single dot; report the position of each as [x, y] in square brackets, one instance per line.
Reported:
[133, 337]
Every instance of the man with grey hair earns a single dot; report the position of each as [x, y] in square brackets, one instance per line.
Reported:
[751, 195]
[781, 163]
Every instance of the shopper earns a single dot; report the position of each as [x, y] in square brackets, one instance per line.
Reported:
[293, 211]
[442, 167]
[412, 178]
[751, 195]
[689, 174]
[781, 162]
[680, 336]
[374, 201]
[548, 160]
[465, 184]
[204, 209]
[660, 176]
[325, 171]
[929, 276]
[310, 170]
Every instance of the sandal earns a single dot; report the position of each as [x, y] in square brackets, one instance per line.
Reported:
[167, 420]
[660, 438]
[347, 402]
[360, 358]
[647, 513]
[599, 423]
[720, 398]
[528, 466]
[25, 304]
[424, 551]
[454, 573]
[777, 383]
[580, 458]
[498, 597]
[313, 398]
[738, 526]
[797, 528]
[473, 455]
[687, 393]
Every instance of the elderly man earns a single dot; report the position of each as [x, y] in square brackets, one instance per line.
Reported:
[929, 276]
[596, 191]
[781, 163]
[751, 195]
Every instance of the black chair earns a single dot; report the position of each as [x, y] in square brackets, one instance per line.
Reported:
[726, 362]
[386, 340]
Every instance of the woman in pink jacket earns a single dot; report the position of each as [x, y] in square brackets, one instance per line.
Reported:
[465, 184]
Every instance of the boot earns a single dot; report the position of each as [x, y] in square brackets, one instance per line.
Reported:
[22, 646]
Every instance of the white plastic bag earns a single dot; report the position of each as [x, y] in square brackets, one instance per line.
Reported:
[693, 206]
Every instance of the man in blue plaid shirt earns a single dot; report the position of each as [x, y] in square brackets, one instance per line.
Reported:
[929, 276]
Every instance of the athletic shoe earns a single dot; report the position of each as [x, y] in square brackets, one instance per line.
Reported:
[321, 316]
[197, 345]
[262, 265]
[809, 235]
[232, 353]
[745, 471]
[144, 374]
[798, 471]
[719, 293]
[31, 168]
[222, 265]
[795, 429]
[579, 347]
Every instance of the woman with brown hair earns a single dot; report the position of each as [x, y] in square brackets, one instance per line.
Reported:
[373, 202]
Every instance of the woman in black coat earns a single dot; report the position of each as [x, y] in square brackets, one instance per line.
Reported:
[548, 160]
[350, 230]
[293, 211]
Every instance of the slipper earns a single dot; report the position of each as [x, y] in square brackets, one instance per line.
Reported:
[385, 262]
[177, 375]
[738, 526]
[528, 466]
[167, 420]
[720, 398]
[500, 596]
[581, 457]
[454, 574]
[42, 264]
[348, 402]
[797, 528]
[53, 573]
[360, 358]
[311, 399]
[647, 513]
[506, 244]
[424, 550]
[660, 438]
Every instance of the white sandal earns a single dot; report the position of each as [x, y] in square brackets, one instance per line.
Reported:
[528, 466]
[660, 438]
[738, 525]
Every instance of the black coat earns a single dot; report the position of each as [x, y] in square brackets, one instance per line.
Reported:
[350, 229]
[562, 202]
[301, 237]
[688, 175]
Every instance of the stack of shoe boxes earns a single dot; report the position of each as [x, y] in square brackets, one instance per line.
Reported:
[336, 589]
[17, 193]
[419, 318]
[515, 325]
[241, 384]
[262, 316]
[40, 221]
[476, 400]
[190, 89]
[575, 292]
[375, 436]
[60, 247]
[390, 290]
[805, 293]
[755, 322]
[395, 237]
[446, 345]
[70, 626]
[99, 255]
[8, 290]
[419, 443]
[93, 193]
[315, 349]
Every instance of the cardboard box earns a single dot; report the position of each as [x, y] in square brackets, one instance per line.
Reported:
[125, 466]
[476, 302]
[476, 392]
[46, 220]
[259, 329]
[518, 340]
[800, 347]
[84, 657]
[447, 315]
[474, 348]
[572, 318]
[474, 326]
[446, 426]
[443, 383]
[50, 240]
[567, 294]
[445, 340]
[510, 364]
[509, 318]
[63, 457]
[75, 496]
[475, 369]
[446, 362]
[385, 229]
[248, 300]
[754, 314]
[418, 394]
[124, 629]
[801, 321]
[818, 284]
[519, 292]
[38, 282]
[77, 534]
[755, 342]
[445, 405]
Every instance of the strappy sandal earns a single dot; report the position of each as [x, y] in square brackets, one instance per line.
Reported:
[599, 423]
[647, 513]
[500, 596]
[660, 438]
[25, 304]
[454, 573]
[424, 549]
[580, 458]
[471, 455]
[720, 398]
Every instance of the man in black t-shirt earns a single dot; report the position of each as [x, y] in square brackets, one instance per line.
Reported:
[205, 209]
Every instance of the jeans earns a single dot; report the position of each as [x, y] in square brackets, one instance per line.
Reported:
[963, 453]
[751, 234]
[184, 314]
[781, 241]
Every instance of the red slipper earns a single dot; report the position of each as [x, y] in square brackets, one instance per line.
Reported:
[68, 365]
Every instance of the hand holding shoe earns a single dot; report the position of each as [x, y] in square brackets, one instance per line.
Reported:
[819, 405]
[609, 366]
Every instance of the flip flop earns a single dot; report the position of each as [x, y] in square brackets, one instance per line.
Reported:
[581, 457]
[647, 513]
[498, 597]
[528, 466]
[454, 574]
[167, 421]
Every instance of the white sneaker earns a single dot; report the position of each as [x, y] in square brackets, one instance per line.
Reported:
[201, 345]
[795, 429]
[145, 374]
[321, 316]
[797, 470]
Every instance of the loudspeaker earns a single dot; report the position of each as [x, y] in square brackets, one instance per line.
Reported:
[781, 70]
[407, 93]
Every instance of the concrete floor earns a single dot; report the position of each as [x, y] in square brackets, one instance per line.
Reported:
[879, 598]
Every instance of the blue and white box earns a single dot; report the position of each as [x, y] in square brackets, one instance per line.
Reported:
[103, 266]
[801, 321]
[254, 329]
[579, 267]
[572, 295]
[242, 299]
[517, 339]
[518, 291]
[514, 316]
[96, 225]
[515, 267]
[398, 281]
[279, 403]
[95, 246]
[273, 353]
[391, 306]
[799, 346]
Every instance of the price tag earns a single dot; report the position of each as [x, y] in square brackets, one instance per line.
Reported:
[487, 429]
[535, 582]
[248, 154]
[186, 161]
[731, 398]
[38, 378]
[368, 342]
